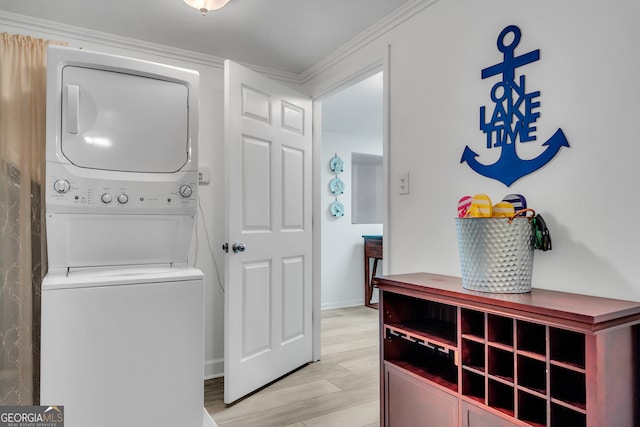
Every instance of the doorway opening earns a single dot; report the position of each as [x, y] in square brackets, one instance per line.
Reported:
[352, 132]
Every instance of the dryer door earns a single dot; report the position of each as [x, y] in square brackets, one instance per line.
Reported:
[123, 122]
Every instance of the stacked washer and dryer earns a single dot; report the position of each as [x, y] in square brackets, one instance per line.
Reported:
[122, 312]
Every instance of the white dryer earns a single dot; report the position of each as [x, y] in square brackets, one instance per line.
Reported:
[122, 312]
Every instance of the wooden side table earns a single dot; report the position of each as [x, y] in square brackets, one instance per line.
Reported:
[372, 249]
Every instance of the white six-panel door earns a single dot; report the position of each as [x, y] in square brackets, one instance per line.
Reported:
[268, 294]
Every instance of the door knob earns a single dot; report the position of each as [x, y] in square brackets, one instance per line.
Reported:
[238, 247]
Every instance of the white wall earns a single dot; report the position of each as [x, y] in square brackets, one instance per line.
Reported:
[587, 76]
[342, 243]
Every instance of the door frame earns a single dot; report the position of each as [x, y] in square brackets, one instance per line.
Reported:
[381, 64]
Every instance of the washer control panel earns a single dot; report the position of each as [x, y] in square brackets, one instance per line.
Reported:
[82, 194]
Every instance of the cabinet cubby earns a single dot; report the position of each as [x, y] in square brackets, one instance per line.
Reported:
[532, 337]
[567, 347]
[472, 323]
[500, 364]
[500, 330]
[565, 417]
[532, 409]
[473, 354]
[501, 396]
[428, 319]
[532, 374]
[568, 386]
[421, 337]
[473, 385]
[512, 361]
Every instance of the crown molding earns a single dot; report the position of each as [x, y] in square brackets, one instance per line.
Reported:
[375, 31]
[283, 76]
[63, 31]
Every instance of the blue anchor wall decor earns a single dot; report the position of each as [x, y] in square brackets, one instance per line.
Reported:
[513, 119]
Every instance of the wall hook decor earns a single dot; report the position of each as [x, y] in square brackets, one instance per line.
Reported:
[336, 186]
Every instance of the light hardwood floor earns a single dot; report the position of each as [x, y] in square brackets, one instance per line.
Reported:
[341, 390]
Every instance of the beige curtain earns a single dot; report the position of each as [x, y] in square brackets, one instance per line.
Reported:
[22, 237]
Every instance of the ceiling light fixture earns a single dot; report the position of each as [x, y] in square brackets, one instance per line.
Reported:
[205, 6]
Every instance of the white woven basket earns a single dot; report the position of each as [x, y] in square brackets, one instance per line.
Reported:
[496, 254]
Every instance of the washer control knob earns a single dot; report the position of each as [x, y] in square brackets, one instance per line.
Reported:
[186, 191]
[123, 198]
[106, 198]
[61, 186]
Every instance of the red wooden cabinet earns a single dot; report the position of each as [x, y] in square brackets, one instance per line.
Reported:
[475, 359]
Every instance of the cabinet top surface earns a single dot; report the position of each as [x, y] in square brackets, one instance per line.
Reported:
[372, 237]
[585, 309]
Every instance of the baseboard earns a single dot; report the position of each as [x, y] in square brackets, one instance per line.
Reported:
[213, 368]
[207, 421]
[341, 304]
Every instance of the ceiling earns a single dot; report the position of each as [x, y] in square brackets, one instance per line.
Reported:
[285, 35]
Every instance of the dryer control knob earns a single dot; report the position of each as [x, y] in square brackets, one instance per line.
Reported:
[61, 186]
[123, 198]
[106, 198]
[185, 191]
